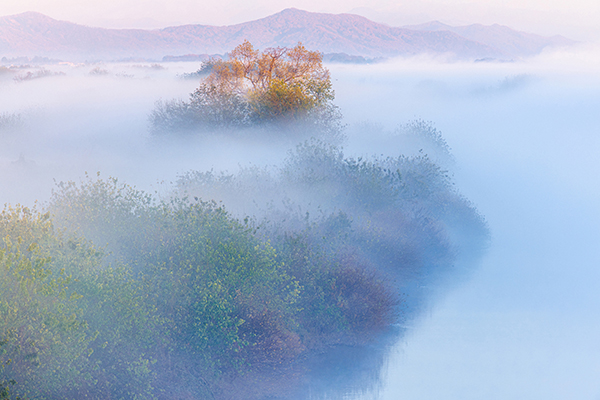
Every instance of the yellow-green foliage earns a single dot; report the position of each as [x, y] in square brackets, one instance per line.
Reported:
[45, 337]
[108, 213]
[206, 274]
[277, 82]
[217, 291]
[214, 278]
[70, 326]
[178, 291]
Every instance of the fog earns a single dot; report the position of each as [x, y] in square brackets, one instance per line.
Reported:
[95, 118]
[524, 138]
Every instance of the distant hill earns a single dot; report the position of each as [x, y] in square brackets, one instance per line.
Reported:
[32, 33]
[501, 37]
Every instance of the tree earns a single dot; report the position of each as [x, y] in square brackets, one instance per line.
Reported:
[276, 86]
[278, 83]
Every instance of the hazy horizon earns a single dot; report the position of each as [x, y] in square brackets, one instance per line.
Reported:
[574, 20]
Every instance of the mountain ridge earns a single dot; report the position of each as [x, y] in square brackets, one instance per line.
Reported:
[499, 36]
[32, 33]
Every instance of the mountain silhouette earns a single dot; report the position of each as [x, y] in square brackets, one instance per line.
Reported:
[31, 33]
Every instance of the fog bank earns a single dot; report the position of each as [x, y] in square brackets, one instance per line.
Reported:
[525, 144]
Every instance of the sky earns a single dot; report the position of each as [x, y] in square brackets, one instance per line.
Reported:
[576, 19]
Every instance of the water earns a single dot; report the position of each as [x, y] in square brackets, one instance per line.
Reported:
[526, 137]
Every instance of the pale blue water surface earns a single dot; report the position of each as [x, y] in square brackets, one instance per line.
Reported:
[525, 322]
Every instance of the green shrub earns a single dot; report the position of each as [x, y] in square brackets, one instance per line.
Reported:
[215, 277]
[41, 325]
[72, 326]
[204, 272]
[181, 295]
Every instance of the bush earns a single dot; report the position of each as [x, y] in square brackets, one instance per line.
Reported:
[204, 273]
[45, 339]
[215, 278]
[10, 121]
[214, 297]
[133, 297]
[71, 327]
[398, 212]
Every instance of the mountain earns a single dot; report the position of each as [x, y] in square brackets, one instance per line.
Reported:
[33, 33]
[329, 33]
[36, 34]
[501, 37]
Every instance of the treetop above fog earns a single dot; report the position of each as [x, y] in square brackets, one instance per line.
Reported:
[247, 65]
[253, 88]
[277, 82]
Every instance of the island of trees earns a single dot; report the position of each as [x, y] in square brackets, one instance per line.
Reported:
[278, 88]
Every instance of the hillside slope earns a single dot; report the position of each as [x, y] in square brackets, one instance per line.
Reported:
[32, 33]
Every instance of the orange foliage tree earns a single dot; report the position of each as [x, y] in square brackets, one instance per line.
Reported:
[252, 87]
[278, 83]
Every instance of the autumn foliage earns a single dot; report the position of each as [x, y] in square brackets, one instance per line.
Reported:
[278, 83]
[278, 86]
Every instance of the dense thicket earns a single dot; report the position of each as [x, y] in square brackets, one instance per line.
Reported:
[112, 293]
[236, 281]
[394, 212]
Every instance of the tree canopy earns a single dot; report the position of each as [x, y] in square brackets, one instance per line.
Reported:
[251, 88]
[278, 82]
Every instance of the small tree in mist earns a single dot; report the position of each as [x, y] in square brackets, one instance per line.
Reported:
[278, 86]
[279, 83]
[10, 121]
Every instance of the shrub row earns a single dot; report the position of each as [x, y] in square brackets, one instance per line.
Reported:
[112, 293]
